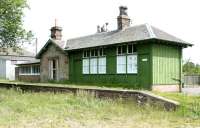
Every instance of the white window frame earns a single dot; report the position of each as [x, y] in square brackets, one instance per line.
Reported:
[132, 66]
[94, 65]
[31, 71]
[102, 66]
[92, 68]
[126, 61]
[86, 66]
[121, 64]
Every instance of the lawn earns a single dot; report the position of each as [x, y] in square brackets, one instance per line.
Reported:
[48, 110]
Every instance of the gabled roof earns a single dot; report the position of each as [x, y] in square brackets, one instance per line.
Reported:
[136, 33]
[34, 61]
[58, 43]
[16, 54]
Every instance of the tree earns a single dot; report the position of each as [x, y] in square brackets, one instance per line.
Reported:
[12, 32]
[190, 68]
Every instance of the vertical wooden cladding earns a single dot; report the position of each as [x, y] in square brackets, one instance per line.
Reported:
[166, 64]
[111, 77]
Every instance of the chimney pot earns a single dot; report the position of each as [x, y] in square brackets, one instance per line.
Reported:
[56, 33]
[98, 29]
[123, 20]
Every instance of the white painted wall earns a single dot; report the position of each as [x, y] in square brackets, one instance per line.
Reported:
[7, 69]
[10, 70]
[2, 69]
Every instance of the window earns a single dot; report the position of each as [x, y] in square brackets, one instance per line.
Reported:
[94, 53]
[102, 65]
[121, 64]
[124, 48]
[119, 50]
[86, 54]
[94, 61]
[93, 65]
[101, 52]
[130, 49]
[126, 59]
[132, 64]
[85, 66]
[25, 70]
[36, 69]
[29, 70]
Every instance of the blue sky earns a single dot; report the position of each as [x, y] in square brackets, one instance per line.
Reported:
[80, 17]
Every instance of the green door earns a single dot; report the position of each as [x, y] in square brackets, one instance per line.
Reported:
[144, 71]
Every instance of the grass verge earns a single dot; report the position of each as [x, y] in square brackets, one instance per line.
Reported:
[48, 110]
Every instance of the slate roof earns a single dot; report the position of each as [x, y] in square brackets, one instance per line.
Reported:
[34, 61]
[58, 43]
[135, 33]
[17, 54]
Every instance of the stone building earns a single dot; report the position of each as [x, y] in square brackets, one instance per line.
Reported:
[53, 58]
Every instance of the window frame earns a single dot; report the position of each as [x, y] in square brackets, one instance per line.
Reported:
[30, 68]
[134, 52]
[98, 54]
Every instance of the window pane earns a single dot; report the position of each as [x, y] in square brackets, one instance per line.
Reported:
[132, 64]
[93, 65]
[119, 50]
[134, 48]
[121, 64]
[96, 52]
[124, 48]
[85, 66]
[102, 65]
[130, 48]
[36, 69]
[101, 52]
[87, 53]
[84, 53]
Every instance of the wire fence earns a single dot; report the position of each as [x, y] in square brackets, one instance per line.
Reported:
[191, 80]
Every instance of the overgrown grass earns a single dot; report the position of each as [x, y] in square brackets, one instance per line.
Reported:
[48, 110]
[189, 105]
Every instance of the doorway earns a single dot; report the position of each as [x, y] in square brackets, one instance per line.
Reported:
[53, 69]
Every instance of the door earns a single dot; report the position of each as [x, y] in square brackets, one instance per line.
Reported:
[144, 71]
[53, 69]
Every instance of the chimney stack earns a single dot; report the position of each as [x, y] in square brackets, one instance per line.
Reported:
[123, 20]
[56, 33]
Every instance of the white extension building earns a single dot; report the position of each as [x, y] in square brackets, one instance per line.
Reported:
[9, 57]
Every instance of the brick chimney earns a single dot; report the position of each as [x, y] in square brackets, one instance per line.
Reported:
[123, 20]
[56, 33]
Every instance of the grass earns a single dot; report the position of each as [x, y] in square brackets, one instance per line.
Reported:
[48, 110]
[189, 105]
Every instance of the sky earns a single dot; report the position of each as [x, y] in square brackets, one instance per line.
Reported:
[80, 18]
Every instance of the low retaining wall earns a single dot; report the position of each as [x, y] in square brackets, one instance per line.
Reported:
[139, 97]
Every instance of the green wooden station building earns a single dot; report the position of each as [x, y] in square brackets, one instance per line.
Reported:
[139, 56]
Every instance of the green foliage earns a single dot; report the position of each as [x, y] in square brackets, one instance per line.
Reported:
[190, 68]
[12, 32]
[47, 110]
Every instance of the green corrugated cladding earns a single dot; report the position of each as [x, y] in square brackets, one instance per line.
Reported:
[166, 64]
[140, 80]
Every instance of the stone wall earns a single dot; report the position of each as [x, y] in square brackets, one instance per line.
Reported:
[29, 78]
[63, 69]
[139, 97]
